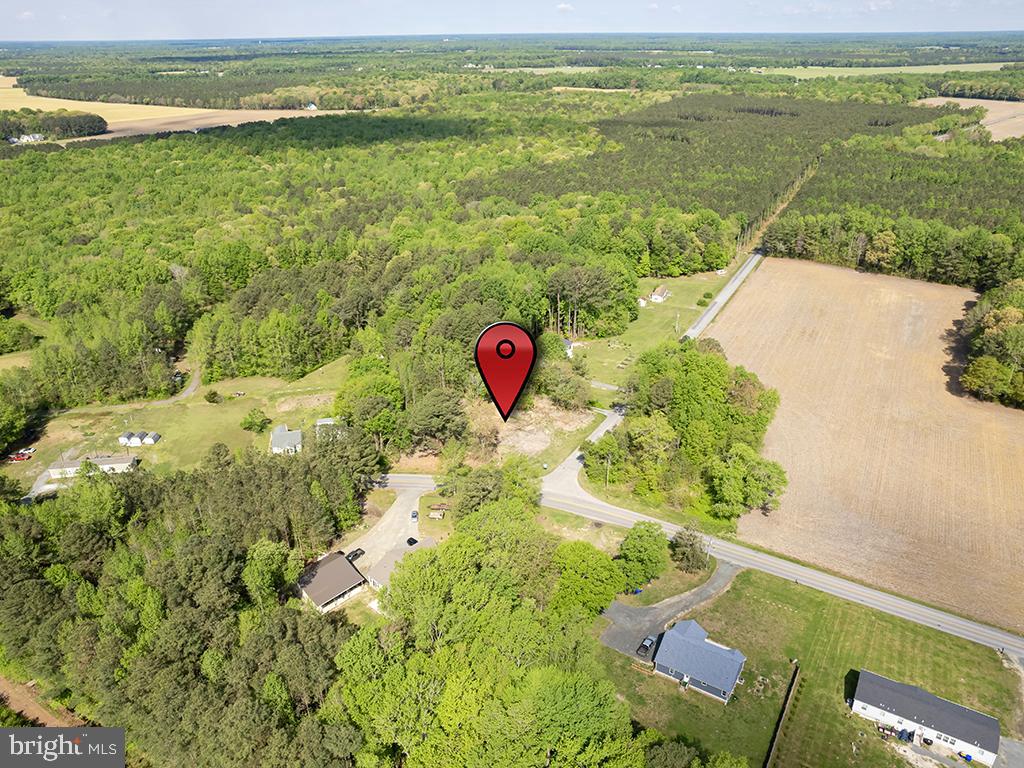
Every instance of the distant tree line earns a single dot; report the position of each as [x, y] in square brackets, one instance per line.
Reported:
[59, 124]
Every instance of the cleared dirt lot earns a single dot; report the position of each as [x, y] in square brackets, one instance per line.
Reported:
[895, 479]
[137, 119]
[1004, 119]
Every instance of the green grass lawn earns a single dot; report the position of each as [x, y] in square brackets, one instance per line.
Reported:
[189, 427]
[809, 72]
[673, 582]
[572, 527]
[771, 621]
[16, 360]
[438, 530]
[609, 360]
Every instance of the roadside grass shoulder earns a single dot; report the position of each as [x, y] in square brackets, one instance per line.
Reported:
[572, 527]
[695, 512]
[772, 621]
[673, 582]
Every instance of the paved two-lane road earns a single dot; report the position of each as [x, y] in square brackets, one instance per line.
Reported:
[561, 489]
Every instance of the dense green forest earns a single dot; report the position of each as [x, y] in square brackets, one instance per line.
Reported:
[167, 605]
[59, 124]
[692, 435]
[735, 155]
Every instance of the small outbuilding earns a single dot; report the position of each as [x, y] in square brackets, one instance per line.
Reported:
[284, 440]
[330, 581]
[124, 437]
[686, 654]
[951, 728]
[151, 439]
[659, 294]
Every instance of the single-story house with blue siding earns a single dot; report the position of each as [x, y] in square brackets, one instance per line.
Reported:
[685, 654]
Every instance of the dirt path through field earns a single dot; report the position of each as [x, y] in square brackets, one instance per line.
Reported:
[895, 478]
[24, 699]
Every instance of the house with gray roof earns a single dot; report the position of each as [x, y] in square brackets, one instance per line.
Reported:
[330, 581]
[284, 440]
[685, 653]
[951, 728]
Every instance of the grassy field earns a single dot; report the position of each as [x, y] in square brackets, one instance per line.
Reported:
[673, 582]
[438, 530]
[189, 427]
[23, 359]
[572, 527]
[609, 360]
[772, 621]
[808, 72]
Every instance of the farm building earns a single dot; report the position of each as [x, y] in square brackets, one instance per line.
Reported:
[330, 581]
[137, 439]
[380, 574]
[112, 465]
[685, 654]
[659, 294]
[950, 727]
[284, 440]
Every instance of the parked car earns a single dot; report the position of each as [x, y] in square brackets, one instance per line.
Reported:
[926, 741]
[355, 554]
[411, 541]
[19, 457]
[27, 450]
[415, 515]
[645, 646]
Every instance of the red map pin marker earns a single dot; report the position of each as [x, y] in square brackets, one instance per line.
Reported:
[504, 356]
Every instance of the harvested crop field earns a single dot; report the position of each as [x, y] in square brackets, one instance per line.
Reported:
[895, 478]
[1004, 119]
[138, 119]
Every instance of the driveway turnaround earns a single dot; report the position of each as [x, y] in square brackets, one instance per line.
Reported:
[632, 623]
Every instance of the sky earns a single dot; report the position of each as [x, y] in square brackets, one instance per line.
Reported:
[128, 20]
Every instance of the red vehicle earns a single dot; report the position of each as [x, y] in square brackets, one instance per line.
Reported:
[20, 456]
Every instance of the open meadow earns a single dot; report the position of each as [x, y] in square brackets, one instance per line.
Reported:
[895, 478]
[771, 621]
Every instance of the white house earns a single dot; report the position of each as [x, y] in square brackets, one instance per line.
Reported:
[642, 301]
[659, 294]
[950, 728]
[112, 465]
[284, 440]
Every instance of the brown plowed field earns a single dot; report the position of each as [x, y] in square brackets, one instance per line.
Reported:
[895, 478]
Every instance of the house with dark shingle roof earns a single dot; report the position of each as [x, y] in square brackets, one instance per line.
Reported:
[950, 727]
[686, 654]
[330, 581]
